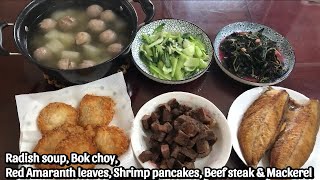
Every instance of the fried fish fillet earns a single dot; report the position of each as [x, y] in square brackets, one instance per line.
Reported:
[261, 124]
[55, 115]
[111, 140]
[96, 110]
[296, 142]
[47, 145]
[76, 143]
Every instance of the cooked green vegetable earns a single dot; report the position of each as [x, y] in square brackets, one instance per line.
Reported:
[252, 55]
[173, 55]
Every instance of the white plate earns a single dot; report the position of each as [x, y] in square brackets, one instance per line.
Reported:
[221, 149]
[239, 107]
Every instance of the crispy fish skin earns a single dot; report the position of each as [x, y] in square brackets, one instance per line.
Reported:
[55, 115]
[96, 110]
[111, 140]
[260, 125]
[296, 142]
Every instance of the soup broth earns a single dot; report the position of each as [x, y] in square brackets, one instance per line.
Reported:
[78, 38]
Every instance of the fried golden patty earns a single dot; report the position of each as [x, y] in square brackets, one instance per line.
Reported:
[96, 110]
[77, 143]
[55, 115]
[111, 140]
[47, 145]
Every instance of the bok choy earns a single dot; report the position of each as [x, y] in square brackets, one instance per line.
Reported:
[173, 55]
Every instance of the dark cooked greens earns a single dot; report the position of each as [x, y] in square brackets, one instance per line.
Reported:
[252, 55]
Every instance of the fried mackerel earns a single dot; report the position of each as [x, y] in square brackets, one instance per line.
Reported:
[260, 125]
[296, 141]
[55, 115]
[96, 110]
[111, 140]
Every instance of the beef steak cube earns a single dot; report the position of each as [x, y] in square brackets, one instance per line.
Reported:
[155, 126]
[205, 154]
[170, 136]
[154, 145]
[156, 157]
[212, 142]
[158, 136]
[145, 156]
[202, 146]
[181, 138]
[146, 122]
[166, 127]
[165, 151]
[190, 128]
[190, 153]
[181, 157]
[210, 135]
[163, 164]
[166, 115]
[189, 165]
[175, 151]
[170, 162]
[173, 103]
[177, 165]
[154, 117]
[184, 108]
[176, 113]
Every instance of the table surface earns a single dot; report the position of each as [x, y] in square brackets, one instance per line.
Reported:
[297, 20]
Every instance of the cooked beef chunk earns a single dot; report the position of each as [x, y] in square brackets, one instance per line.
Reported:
[181, 157]
[184, 108]
[212, 142]
[165, 151]
[154, 117]
[177, 165]
[181, 138]
[190, 153]
[170, 137]
[205, 154]
[166, 115]
[189, 165]
[202, 146]
[173, 103]
[163, 164]
[189, 128]
[146, 121]
[146, 156]
[175, 151]
[170, 162]
[156, 157]
[158, 136]
[154, 145]
[167, 127]
[176, 113]
[210, 135]
[155, 126]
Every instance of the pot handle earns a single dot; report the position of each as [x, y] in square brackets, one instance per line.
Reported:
[3, 51]
[148, 9]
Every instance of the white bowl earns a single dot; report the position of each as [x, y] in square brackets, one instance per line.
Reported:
[221, 150]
